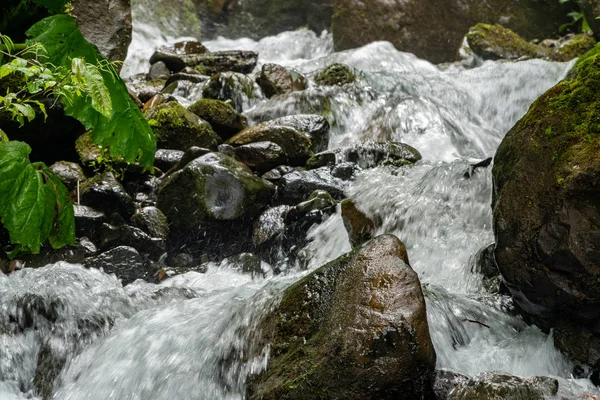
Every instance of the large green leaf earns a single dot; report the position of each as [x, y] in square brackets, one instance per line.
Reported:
[125, 133]
[34, 205]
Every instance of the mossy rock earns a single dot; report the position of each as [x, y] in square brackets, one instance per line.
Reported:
[235, 87]
[354, 329]
[179, 129]
[224, 119]
[497, 385]
[494, 42]
[275, 80]
[572, 48]
[547, 203]
[213, 187]
[335, 75]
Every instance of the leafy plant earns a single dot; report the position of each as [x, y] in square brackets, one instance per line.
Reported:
[577, 16]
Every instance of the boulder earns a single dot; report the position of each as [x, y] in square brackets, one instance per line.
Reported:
[572, 47]
[173, 57]
[335, 75]
[69, 173]
[315, 127]
[294, 144]
[179, 129]
[106, 24]
[354, 329]
[407, 24]
[232, 86]
[497, 385]
[125, 262]
[275, 79]
[494, 42]
[298, 185]
[166, 159]
[224, 119]
[213, 187]
[547, 208]
[261, 156]
[152, 221]
[208, 63]
[103, 192]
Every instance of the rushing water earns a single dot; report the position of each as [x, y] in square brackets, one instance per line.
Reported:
[170, 341]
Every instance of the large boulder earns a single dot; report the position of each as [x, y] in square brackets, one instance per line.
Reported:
[493, 42]
[434, 29]
[213, 187]
[547, 210]
[497, 385]
[354, 329]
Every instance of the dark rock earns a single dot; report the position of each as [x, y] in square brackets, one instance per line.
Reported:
[345, 171]
[159, 70]
[261, 156]
[224, 119]
[152, 221]
[294, 144]
[269, 225]
[103, 192]
[315, 127]
[69, 173]
[324, 159]
[359, 226]
[227, 149]
[236, 87]
[179, 129]
[87, 220]
[496, 385]
[445, 381]
[372, 154]
[174, 56]
[298, 185]
[190, 155]
[483, 262]
[275, 79]
[125, 262]
[319, 202]
[335, 75]
[354, 329]
[239, 61]
[494, 42]
[212, 187]
[145, 88]
[126, 235]
[165, 159]
[106, 24]
[474, 167]
[547, 207]
[407, 23]
[187, 77]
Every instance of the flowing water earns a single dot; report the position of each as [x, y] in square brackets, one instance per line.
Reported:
[187, 338]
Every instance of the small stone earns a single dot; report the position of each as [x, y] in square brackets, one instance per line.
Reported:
[103, 192]
[275, 79]
[224, 119]
[123, 261]
[69, 173]
[335, 75]
[152, 221]
[165, 159]
[159, 70]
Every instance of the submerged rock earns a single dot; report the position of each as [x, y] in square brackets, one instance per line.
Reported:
[224, 119]
[494, 42]
[354, 329]
[547, 210]
[213, 187]
[335, 75]
[497, 385]
[179, 129]
[275, 79]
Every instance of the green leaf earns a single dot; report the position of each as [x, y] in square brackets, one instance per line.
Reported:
[52, 5]
[126, 132]
[34, 205]
[94, 83]
[26, 110]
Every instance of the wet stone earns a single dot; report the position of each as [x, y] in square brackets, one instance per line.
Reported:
[126, 235]
[497, 385]
[152, 221]
[103, 192]
[166, 159]
[270, 224]
[261, 156]
[123, 261]
[159, 70]
[69, 173]
[298, 185]
[315, 127]
[275, 79]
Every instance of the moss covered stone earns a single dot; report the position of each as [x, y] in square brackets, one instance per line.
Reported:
[233, 86]
[572, 48]
[179, 129]
[335, 75]
[547, 203]
[493, 42]
[224, 119]
[213, 187]
[354, 329]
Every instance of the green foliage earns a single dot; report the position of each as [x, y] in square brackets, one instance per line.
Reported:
[577, 16]
[125, 132]
[52, 5]
[35, 206]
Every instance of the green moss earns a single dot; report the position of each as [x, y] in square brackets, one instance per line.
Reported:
[573, 48]
[335, 75]
[492, 42]
[224, 119]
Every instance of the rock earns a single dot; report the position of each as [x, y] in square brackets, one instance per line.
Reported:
[152, 221]
[345, 171]
[295, 145]
[237, 88]
[275, 79]
[269, 225]
[318, 203]
[126, 235]
[87, 220]
[547, 207]
[474, 167]
[573, 47]
[159, 70]
[173, 56]
[88, 151]
[212, 187]
[359, 226]
[315, 127]
[178, 129]
[354, 329]
[407, 23]
[323, 159]
[166, 159]
[187, 77]
[261, 156]
[445, 382]
[373, 154]
[69, 173]
[246, 263]
[335, 75]
[145, 88]
[497, 385]
[103, 192]
[483, 262]
[106, 24]
[276, 174]
[298, 185]
[125, 262]
[224, 119]
[494, 42]
[208, 63]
